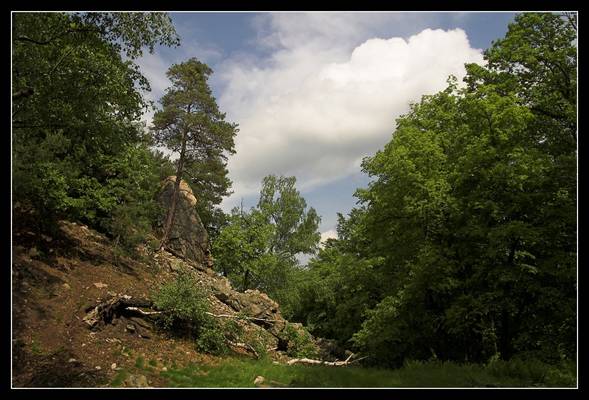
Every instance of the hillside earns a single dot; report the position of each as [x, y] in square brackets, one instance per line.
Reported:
[61, 283]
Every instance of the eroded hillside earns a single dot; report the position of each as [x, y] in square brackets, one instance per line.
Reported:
[82, 311]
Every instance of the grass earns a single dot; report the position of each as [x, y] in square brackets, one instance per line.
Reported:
[119, 378]
[139, 362]
[235, 372]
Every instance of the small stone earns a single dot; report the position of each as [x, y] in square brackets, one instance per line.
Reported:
[83, 344]
[71, 360]
[98, 367]
[164, 369]
[130, 328]
[259, 380]
[113, 366]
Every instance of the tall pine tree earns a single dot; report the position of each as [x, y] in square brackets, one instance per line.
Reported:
[191, 125]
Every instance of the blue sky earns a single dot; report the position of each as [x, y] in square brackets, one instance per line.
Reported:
[314, 93]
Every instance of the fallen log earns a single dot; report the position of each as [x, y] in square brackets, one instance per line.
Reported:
[308, 361]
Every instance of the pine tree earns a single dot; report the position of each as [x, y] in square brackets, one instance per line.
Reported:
[191, 124]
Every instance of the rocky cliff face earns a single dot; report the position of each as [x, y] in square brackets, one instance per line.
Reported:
[188, 237]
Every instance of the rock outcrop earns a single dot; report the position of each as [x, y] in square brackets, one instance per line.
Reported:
[188, 237]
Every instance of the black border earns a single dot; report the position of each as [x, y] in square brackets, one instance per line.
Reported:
[301, 5]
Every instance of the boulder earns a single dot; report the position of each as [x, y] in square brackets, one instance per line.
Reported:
[188, 237]
[264, 311]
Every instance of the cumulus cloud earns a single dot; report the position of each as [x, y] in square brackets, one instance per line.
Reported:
[330, 234]
[327, 96]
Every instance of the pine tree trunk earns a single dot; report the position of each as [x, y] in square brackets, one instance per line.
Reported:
[175, 193]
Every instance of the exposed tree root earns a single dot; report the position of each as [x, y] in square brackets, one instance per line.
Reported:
[104, 312]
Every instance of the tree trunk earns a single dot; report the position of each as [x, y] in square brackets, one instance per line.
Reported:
[246, 279]
[175, 193]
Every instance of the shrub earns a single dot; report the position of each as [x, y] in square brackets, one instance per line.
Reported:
[186, 310]
[211, 339]
[182, 302]
[300, 342]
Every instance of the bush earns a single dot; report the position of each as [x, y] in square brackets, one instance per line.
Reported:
[211, 339]
[186, 310]
[182, 302]
[300, 342]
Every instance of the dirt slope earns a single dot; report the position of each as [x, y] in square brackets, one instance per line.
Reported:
[57, 280]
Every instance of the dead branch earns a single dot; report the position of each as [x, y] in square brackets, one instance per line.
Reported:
[308, 361]
[140, 311]
[244, 346]
[240, 317]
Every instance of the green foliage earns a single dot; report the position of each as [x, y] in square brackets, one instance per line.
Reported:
[463, 206]
[282, 206]
[185, 312]
[300, 342]
[335, 291]
[191, 124]
[464, 245]
[211, 338]
[119, 378]
[241, 249]
[183, 302]
[140, 362]
[257, 249]
[133, 184]
[77, 145]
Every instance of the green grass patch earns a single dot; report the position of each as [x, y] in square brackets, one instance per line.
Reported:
[237, 372]
[119, 378]
[140, 362]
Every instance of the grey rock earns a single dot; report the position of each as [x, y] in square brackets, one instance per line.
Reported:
[188, 237]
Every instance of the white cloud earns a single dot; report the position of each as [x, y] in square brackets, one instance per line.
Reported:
[330, 234]
[328, 96]
[154, 67]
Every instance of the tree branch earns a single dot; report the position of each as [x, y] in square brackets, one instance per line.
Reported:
[26, 92]
[51, 39]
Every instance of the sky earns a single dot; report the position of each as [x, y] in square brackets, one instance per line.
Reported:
[315, 93]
